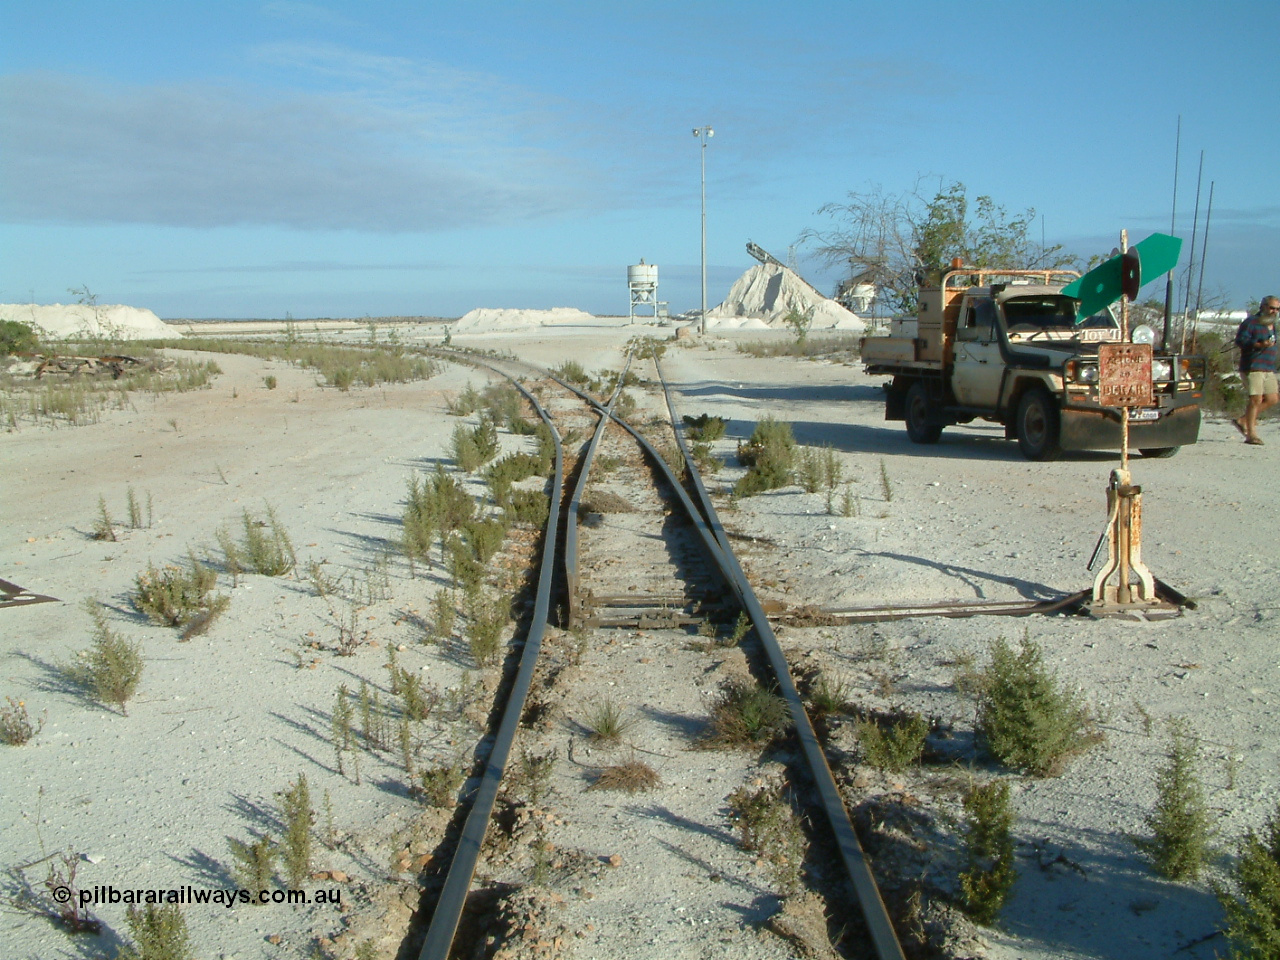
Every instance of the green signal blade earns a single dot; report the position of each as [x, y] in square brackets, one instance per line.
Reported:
[1100, 287]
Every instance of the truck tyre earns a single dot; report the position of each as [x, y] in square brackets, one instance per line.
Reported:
[1039, 429]
[921, 427]
[1159, 453]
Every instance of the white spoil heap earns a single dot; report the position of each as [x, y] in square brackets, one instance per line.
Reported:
[767, 293]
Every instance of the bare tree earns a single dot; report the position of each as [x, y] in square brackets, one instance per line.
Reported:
[900, 241]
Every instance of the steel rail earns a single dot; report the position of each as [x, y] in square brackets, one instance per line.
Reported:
[954, 610]
[715, 542]
[883, 937]
[453, 895]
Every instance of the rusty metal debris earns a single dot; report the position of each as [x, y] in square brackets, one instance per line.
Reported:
[115, 364]
[12, 595]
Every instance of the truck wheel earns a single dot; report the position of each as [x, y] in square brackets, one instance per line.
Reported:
[1159, 453]
[920, 424]
[1038, 426]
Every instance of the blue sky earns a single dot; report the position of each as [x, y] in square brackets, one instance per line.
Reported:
[237, 159]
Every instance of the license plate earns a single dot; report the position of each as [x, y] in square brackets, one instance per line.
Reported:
[1146, 413]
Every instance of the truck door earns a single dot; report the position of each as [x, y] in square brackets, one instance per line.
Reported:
[979, 368]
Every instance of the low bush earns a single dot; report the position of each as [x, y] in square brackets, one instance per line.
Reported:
[266, 548]
[1026, 718]
[571, 371]
[607, 721]
[473, 447]
[1252, 901]
[16, 726]
[297, 816]
[487, 616]
[768, 455]
[1180, 824]
[704, 428]
[989, 873]
[528, 506]
[746, 714]
[17, 337]
[112, 667]
[439, 784]
[768, 826]
[893, 745]
[158, 933]
[174, 596]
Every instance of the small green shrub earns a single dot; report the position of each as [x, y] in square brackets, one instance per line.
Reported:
[416, 700]
[531, 775]
[1026, 719]
[746, 714]
[886, 485]
[769, 455]
[528, 506]
[571, 371]
[174, 596]
[440, 783]
[502, 404]
[340, 730]
[704, 428]
[819, 469]
[799, 321]
[1180, 823]
[267, 548]
[510, 470]
[989, 873]
[104, 528]
[1252, 902]
[484, 538]
[158, 932]
[112, 667]
[767, 825]
[607, 721]
[895, 745]
[486, 618]
[16, 726]
[270, 382]
[297, 816]
[253, 863]
[465, 403]
[444, 614]
[473, 447]
[16, 337]
[466, 572]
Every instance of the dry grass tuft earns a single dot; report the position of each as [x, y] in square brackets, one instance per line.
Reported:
[634, 776]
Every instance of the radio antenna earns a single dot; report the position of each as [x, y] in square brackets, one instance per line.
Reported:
[1173, 232]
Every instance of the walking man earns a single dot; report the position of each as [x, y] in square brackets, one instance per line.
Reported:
[1256, 339]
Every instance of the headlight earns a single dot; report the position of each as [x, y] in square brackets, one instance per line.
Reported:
[1143, 334]
[1161, 370]
[1077, 372]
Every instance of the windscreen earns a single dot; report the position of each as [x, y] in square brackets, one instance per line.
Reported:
[1040, 312]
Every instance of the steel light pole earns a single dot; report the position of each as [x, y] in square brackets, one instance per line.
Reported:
[704, 134]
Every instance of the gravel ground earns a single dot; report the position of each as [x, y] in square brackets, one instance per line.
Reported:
[225, 721]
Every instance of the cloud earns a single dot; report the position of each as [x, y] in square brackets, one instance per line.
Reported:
[429, 150]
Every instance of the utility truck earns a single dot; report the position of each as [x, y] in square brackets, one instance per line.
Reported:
[1007, 346]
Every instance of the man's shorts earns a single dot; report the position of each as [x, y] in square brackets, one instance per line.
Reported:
[1262, 383]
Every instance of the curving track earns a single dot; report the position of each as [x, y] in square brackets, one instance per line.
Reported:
[691, 527]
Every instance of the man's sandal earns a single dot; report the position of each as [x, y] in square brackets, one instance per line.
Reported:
[1240, 426]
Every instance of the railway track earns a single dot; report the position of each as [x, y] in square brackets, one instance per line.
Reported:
[611, 698]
